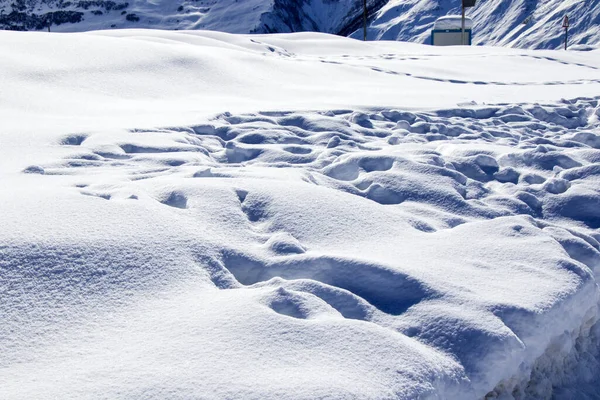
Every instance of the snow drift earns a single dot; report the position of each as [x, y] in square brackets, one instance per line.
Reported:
[203, 215]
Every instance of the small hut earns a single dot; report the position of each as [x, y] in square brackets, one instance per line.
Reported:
[447, 31]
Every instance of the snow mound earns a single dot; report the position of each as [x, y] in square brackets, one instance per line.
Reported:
[404, 243]
[187, 74]
[150, 249]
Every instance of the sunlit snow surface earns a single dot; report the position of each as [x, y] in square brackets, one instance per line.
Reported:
[201, 215]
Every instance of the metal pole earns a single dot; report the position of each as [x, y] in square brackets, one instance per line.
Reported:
[462, 36]
[365, 20]
[566, 26]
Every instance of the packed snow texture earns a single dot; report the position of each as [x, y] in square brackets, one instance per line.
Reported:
[513, 23]
[202, 215]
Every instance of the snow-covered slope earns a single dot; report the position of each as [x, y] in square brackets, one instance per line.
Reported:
[204, 215]
[233, 16]
[514, 23]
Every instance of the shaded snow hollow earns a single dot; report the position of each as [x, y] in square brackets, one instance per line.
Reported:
[345, 252]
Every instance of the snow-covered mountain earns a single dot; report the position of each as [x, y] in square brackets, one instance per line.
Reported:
[514, 23]
[233, 16]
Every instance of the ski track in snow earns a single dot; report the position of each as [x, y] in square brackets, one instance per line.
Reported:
[458, 81]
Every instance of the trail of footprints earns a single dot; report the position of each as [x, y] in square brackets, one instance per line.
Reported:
[468, 162]
[354, 151]
[462, 81]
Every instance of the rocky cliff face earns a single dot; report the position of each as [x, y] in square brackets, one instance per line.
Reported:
[331, 16]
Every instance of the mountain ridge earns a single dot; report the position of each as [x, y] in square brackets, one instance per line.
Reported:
[511, 23]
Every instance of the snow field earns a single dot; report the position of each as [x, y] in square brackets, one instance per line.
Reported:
[350, 252]
[156, 78]
[444, 191]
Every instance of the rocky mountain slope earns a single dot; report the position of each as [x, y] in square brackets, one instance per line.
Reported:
[513, 23]
[248, 16]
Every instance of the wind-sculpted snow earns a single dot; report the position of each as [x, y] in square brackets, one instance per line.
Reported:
[74, 81]
[454, 249]
[155, 245]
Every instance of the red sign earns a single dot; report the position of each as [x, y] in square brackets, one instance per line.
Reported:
[566, 22]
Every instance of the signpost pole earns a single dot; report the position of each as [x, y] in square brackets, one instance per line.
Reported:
[566, 26]
[462, 33]
[465, 4]
[365, 20]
